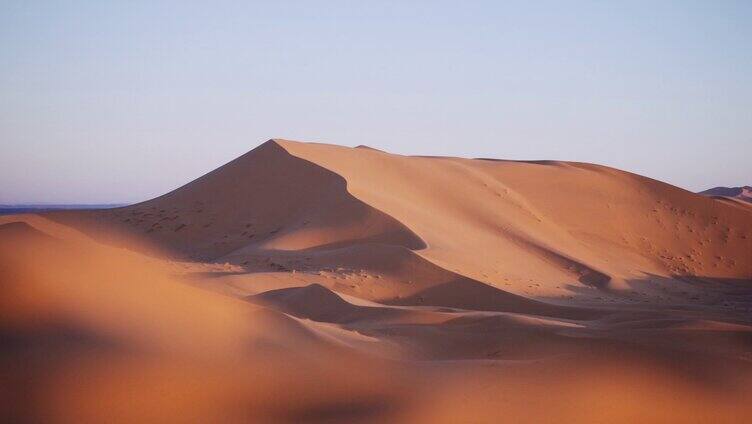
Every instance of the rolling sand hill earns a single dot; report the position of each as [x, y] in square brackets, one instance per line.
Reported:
[512, 283]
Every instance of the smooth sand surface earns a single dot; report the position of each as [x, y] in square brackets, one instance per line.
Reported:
[307, 282]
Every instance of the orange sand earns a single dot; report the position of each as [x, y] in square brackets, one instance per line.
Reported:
[312, 282]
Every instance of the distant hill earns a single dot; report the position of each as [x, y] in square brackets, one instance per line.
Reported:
[35, 208]
[741, 193]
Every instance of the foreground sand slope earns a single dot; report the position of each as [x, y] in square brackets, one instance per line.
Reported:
[93, 333]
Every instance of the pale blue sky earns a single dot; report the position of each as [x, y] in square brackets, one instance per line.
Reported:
[122, 101]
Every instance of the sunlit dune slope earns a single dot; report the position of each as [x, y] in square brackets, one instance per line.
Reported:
[545, 221]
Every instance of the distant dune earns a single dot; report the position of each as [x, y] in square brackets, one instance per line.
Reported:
[313, 282]
[37, 208]
[741, 193]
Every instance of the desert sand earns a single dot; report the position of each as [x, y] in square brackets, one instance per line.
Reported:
[307, 282]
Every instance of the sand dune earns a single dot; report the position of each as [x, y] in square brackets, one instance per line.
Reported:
[419, 289]
[743, 194]
[555, 231]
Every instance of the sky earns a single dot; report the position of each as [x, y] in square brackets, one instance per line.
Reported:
[112, 101]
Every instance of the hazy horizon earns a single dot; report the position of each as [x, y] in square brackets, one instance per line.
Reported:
[119, 103]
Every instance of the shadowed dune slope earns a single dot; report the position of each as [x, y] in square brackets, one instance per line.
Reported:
[266, 198]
